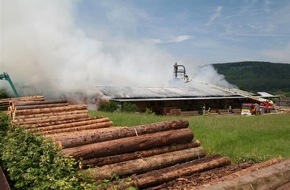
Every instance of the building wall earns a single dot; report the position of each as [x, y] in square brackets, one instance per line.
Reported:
[163, 107]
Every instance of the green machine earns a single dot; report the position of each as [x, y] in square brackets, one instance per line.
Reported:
[5, 76]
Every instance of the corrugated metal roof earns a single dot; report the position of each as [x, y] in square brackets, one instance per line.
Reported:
[196, 91]
[171, 99]
[265, 94]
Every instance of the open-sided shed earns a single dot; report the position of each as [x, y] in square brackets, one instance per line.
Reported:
[162, 100]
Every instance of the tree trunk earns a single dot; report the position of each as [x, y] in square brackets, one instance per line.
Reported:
[251, 169]
[134, 155]
[76, 128]
[57, 122]
[164, 175]
[49, 110]
[161, 126]
[50, 119]
[70, 124]
[46, 102]
[273, 177]
[47, 115]
[142, 165]
[161, 177]
[9, 102]
[26, 99]
[105, 135]
[37, 106]
[130, 144]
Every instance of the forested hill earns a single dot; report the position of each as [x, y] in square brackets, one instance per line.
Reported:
[257, 76]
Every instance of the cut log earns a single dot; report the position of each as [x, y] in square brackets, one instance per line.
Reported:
[163, 175]
[76, 128]
[161, 126]
[72, 135]
[130, 144]
[49, 110]
[250, 169]
[142, 165]
[36, 106]
[159, 178]
[134, 155]
[51, 119]
[7, 102]
[55, 122]
[270, 178]
[20, 104]
[26, 99]
[71, 124]
[47, 115]
[99, 136]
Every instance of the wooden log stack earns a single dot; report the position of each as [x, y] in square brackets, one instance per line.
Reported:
[164, 150]
[5, 103]
[53, 116]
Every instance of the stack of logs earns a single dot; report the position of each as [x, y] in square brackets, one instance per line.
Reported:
[53, 117]
[151, 154]
[4, 103]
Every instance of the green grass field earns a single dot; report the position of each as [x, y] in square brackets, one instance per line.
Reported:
[255, 138]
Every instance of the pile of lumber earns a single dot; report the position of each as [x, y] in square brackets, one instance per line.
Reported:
[149, 154]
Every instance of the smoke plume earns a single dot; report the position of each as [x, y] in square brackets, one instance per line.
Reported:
[43, 46]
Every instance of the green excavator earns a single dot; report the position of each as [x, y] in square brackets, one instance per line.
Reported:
[5, 76]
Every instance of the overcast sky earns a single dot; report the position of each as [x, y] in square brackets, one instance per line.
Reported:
[205, 31]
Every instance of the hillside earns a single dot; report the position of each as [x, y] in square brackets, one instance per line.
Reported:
[257, 76]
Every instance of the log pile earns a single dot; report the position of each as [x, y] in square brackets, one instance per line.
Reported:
[151, 154]
[46, 117]
[4, 103]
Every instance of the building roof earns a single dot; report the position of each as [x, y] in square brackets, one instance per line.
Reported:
[196, 91]
[265, 95]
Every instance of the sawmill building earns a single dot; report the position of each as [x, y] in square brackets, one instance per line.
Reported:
[165, 100]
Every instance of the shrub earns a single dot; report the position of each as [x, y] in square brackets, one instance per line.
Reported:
[3, 93]
[4, 125]
[149, 112]
[109, 106]
[33, 162]
[129, 107]
[254, 158]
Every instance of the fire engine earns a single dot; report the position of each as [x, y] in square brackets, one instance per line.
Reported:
[255, 108]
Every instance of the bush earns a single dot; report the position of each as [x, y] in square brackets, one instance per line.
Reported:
[3, 93]
[109, 106]
[149, 112]
[33, 162]
[129, 107]
[4, 125]
[253, 158]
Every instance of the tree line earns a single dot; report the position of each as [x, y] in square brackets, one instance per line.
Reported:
[257, 76]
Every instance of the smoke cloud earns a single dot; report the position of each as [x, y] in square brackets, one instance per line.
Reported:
[42, 46]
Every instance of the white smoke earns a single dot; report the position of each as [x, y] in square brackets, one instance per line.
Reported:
[42, 46]
[208, 74]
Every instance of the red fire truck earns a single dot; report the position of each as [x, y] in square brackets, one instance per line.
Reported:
[255, 108]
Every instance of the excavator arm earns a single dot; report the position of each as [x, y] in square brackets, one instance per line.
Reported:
[5, 76]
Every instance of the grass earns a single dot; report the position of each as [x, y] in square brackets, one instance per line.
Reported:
[255, 138]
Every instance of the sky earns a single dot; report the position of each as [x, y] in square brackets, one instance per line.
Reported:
[202, 31]
[63, 45]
